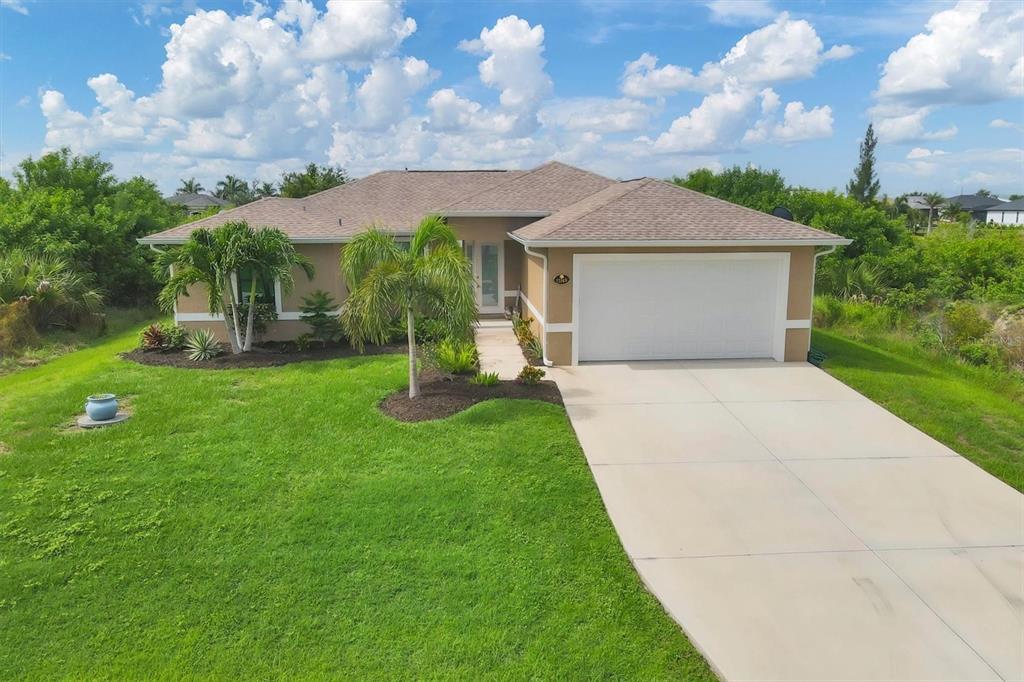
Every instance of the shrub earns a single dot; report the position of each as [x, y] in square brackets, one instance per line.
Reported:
[430, 330]
[202, 345]
[521, 328]
[162, 336]
[530, 375]
[303, 342]
[981, 353]
[456, 357]
[828, 310]
[263, 316]
[533, 349]
[316, 311]
[56, 294]
[16, 329]
[963, 324]
[486, 379]
[1009, 333]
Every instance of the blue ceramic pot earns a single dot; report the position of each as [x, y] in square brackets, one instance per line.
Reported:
[101, 407]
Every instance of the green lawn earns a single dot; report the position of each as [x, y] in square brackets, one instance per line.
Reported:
[978, 413]
[272, 522]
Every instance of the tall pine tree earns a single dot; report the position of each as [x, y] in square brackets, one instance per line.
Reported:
[864, 185]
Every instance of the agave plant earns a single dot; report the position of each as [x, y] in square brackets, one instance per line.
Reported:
[202, 345]
[55, 291]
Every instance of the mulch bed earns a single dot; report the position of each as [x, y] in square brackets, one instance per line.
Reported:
[266, 355]
[442, 397]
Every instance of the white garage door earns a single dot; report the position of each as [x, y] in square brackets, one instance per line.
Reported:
[681, 306]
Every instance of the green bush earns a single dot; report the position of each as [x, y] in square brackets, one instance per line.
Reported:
[16, 328]
[964, 324]
[456, 357]
[319, 311]
[530, 375]
[828, 311]
[202, 345]
[163, 337]
[533, 349]
[981, 353]
[57, 294]
[486, 379]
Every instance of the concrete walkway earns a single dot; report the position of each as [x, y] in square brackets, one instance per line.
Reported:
[499, 350]
[798, 531]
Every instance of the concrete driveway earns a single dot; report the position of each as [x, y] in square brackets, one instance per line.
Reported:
[798, 531]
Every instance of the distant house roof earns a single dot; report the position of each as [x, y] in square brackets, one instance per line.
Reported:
[196, 201]
[1016, 205]
[572, 205]
[917, 202]
[974, 202]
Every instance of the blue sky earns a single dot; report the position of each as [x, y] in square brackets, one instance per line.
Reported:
[179, 89]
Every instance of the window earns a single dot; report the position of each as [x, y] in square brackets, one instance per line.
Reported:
[264, 289]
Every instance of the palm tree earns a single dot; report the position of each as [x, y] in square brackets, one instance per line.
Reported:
[270, 256]
[190, 186]
[431, 278]
[232, 189]
[212, 258]
[933, 201]
[208, 258]
[55, 292]
[264, 189]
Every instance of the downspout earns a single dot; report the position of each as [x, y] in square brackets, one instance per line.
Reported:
[544, 299]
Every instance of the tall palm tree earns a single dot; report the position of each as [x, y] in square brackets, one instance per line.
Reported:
[270, 256]
[232, 189]
[190, 186]
[933, 201]
[431, 278]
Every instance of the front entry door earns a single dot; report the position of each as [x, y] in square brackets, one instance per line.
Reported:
[488, 271]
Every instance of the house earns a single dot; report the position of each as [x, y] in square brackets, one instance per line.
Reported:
[606, 270]
[196, 203]
[1006, 213]
[975, 204]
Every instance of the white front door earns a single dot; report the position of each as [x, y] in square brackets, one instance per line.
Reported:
[680, 306]
[488, 261]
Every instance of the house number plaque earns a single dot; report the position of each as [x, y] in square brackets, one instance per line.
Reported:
[561, 279]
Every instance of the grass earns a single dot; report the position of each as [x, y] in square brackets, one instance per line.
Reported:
[977, 412]
[273, 523]
[57, 342]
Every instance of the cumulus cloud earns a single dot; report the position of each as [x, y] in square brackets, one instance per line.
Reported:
[969, 54]
[597, 114]
[797, 124]
[352, 32]
[383, 96]
[14, 5]
[787, 49]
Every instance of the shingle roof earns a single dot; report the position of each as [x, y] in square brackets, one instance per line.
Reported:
[193, 200]
[1015, 205]
[656, 211]
[974, 202]
[546, 189]
[583, 207]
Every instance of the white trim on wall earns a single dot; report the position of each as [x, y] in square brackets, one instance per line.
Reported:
[681, 243]
[798, 324]
[533, 311]
[511, 294]
[782, 289]
[198, 317]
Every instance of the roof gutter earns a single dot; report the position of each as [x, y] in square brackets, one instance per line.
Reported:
[171, 241]
[638, 243]
[544, 295]
[495, 214]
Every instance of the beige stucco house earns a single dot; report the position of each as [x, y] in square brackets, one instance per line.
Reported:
[606, 270]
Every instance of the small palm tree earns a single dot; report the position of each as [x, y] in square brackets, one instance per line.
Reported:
[56, 293]
[190, 186]
[269, 255]
[431, 278]
[232, 189]
[207, 258]
[933, 201]
[264, 189]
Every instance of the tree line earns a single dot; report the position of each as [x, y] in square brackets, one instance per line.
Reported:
[295, 185]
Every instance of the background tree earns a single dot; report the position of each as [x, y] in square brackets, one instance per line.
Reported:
[312, 180]
[262, 190]
[73, 208]
[864, 185]
[190, 186]
[984, 193]
[1015, 197]
[234, 190]
[431, 278]
[934, 202]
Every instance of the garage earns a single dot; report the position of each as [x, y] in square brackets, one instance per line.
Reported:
[677, 306]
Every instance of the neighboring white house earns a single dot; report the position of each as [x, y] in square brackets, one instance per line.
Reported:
[1010, 213]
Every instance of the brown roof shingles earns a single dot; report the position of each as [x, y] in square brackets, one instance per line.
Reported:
[657, 211]
[584, 207]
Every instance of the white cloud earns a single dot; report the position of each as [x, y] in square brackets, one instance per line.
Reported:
[514, 65]
[740, 11]
[24, 101]
[382, 98]
[923, 153]
[4, 57]
[712, 126]
[787, 49]
[999, 170]
[352, 32]
[14, 5]
[1003, 123]
[797, 124]
[970, 54]
[597, 114]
